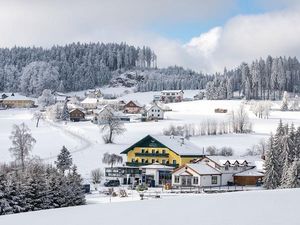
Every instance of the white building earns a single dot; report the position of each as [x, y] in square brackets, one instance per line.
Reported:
[156, 174]
[219, 171]
[153, 112]
[172, 96]
[89, 103]
[199, 175]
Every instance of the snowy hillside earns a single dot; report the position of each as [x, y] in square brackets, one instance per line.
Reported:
[247, 208]
[85, 142]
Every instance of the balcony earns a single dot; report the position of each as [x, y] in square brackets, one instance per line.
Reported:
[144, 164]
[144, 154]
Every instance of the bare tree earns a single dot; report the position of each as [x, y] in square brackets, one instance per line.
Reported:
[96, 176]
[112, 126]
[240, 120]
[22, 143]
[111, 159]
[37, 116]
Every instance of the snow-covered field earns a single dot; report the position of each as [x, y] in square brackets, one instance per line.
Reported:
[247, 208]
[85, 141]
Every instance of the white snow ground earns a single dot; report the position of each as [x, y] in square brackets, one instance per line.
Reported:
[84, 138]
[277, 207]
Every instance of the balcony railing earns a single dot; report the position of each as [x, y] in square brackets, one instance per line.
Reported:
[144, 164]
[144, 154]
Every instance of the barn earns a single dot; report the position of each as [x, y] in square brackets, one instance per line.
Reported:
[248, 177]
[76, 115]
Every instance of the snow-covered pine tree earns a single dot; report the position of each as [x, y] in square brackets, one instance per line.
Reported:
[76, 196]
[5, 207]
[65, 112]
[285, 173]
[272, 167]
[64, 160]
[292, 181]
[285, 102]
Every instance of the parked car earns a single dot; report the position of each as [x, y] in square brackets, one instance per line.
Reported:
[112, 183]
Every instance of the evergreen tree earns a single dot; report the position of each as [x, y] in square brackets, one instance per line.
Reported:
[65, 115]
[272, 167]
[64, 160]
[5, 204]
[292, 181]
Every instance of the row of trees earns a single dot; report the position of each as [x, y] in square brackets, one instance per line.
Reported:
[28, 184]
[282, 158]
[262, 79]
[68, 68]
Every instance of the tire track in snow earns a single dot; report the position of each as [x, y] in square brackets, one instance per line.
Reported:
[85, 142]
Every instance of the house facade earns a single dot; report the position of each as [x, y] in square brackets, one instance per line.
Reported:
[76, 115]
[172, 151]
[89, 103]
[17, 101]
[153, 112]
[169, 96]
[196, 175]
[132, 107]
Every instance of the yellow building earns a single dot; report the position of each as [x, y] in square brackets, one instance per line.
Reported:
[17, 101]
[167, 150]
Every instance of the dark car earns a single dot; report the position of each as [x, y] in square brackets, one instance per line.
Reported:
[112, 183]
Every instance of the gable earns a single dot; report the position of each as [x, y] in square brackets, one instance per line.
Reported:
[146, 142]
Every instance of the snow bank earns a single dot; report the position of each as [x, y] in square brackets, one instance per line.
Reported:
[247, 208]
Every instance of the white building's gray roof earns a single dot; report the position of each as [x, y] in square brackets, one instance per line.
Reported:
[249, 173]
[203, 168]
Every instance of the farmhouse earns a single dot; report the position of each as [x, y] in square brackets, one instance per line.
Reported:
[89, 103]
[168, 96]
[76, 115]
[153, 112]
[167, 150]
[17, 101]
[132, 107]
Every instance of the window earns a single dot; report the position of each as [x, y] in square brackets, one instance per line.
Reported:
[153, 151]
[176, 179]
[195, 180]
[214, 180]
[226, 167]
[158, 110]
[132, 160]
[143, 160]
[174, 161]
[163, 151]
[153, 161]
[163, 161]
[143, 150]
[235, 167]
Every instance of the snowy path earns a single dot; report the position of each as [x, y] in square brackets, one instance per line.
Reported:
[85, 143]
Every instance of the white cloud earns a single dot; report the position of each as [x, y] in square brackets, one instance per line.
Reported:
[248, 37]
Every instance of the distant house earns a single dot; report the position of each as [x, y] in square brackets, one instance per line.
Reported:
[156, 174]
[100, 115]
[76, 115]
[168, 96]
[153, 112]
[132, 107]
[199, 175]
[89, 103]
[17, 101]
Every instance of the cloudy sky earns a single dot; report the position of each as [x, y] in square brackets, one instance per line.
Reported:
[199, 34]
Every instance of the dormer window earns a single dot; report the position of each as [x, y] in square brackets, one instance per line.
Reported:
[226, 167]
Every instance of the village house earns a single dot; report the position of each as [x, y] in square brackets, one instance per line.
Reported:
[169, 96]
[76, 114]
[219, 171]
[196, 174]
[17, 101]
[153, 112]
[172, 151]
[100, 115]
[89, 103]
[132, 107]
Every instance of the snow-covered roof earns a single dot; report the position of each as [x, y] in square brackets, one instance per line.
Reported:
[136, 103]
[150, 106]
[179, 145]
[203, 168]
[157, 166]
[80, 109]
[232, 160]
[89, 100]
[171, 91]
[74, 106]
[16, 97]
[250, 173]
